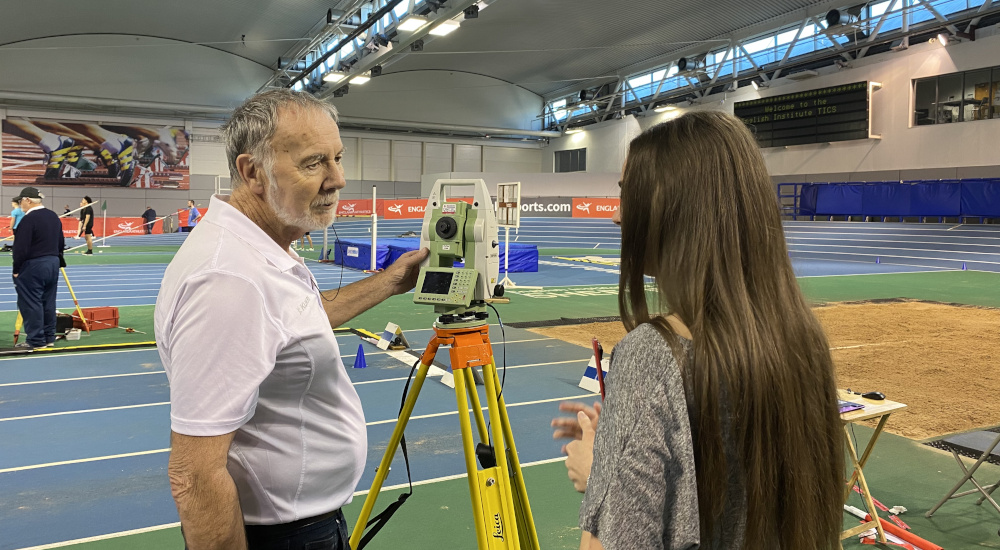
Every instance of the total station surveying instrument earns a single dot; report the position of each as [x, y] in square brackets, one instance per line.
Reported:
[453, 230]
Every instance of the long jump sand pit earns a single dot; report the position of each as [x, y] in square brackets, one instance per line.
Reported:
[942, 360]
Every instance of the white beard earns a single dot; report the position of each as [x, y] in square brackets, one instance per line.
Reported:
[306, 221]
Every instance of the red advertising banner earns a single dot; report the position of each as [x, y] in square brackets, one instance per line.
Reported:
[49, 152]
[356, 207]
[126, 226]
[594, 208]
[403, 208]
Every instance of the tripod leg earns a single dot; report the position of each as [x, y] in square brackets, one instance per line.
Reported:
[470, 382]
[390, 450]
[515, 464]
[462, 397]
[496, 427]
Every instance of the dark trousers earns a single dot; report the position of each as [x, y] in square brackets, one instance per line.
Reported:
[325, 532]
[36, 298]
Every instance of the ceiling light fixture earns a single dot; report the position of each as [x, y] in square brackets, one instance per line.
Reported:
[334, 76]
[573, 131]
[445, 28]
[361, 79]
[664, 108]
[412, 23]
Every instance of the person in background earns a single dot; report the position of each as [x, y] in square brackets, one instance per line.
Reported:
[66, 210]
[87, 223]
[193, 216]
[720, 428]
[37, 258]
[15, 215]
[148, 217]
[301, 243]
[268, 439]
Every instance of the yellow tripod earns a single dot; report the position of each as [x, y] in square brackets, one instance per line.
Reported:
[500, 507]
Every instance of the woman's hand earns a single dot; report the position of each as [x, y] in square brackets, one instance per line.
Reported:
[566, 427]
[580, 453]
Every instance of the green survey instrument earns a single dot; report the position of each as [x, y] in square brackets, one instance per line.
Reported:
[459, 225]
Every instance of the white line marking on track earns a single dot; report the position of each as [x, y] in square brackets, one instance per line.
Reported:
[366, 382]
[453, 477]
[64, 413]
[942, 270]
[373, 423]
[82, 460]
[77, 353]
[81, 378]
[500, 369]
[105, 537]
[509, 405]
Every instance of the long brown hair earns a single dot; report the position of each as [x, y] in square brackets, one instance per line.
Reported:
[699, 214]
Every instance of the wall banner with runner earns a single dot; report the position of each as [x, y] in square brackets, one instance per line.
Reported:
[47, 152]
[595, 207]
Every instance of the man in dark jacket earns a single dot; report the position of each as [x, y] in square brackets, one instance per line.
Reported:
[147, 219]
[38, 255]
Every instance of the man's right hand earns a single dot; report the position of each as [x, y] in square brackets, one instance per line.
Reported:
[205, 493]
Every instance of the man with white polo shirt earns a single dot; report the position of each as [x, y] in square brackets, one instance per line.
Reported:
[267, 433]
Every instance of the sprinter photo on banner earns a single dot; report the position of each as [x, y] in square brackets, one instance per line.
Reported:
[47, 152]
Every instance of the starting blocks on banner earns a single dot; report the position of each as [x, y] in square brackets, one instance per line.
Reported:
[392, 338]
[589, 381]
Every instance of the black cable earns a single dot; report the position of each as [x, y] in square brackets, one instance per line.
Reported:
[503, 335]
[340, 284]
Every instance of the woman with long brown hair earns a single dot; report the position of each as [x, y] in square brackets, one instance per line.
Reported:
[720, 429]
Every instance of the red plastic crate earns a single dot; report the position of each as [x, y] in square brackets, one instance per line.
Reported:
[97, 318]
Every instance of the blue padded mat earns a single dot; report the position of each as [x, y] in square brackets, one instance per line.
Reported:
[356, 253]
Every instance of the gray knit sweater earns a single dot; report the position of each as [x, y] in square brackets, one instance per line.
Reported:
[642, 491]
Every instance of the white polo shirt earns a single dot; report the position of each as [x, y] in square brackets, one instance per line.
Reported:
[247, 347]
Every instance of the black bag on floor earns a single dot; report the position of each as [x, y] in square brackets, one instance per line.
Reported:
[63, 323]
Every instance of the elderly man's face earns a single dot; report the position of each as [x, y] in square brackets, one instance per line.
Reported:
[303, 188]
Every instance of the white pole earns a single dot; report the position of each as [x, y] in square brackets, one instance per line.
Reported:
[506, 251]
[104, 243]
[324, 254]
[374, 228]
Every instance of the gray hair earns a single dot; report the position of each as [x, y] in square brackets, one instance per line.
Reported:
[36, 201]
[252, 125]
